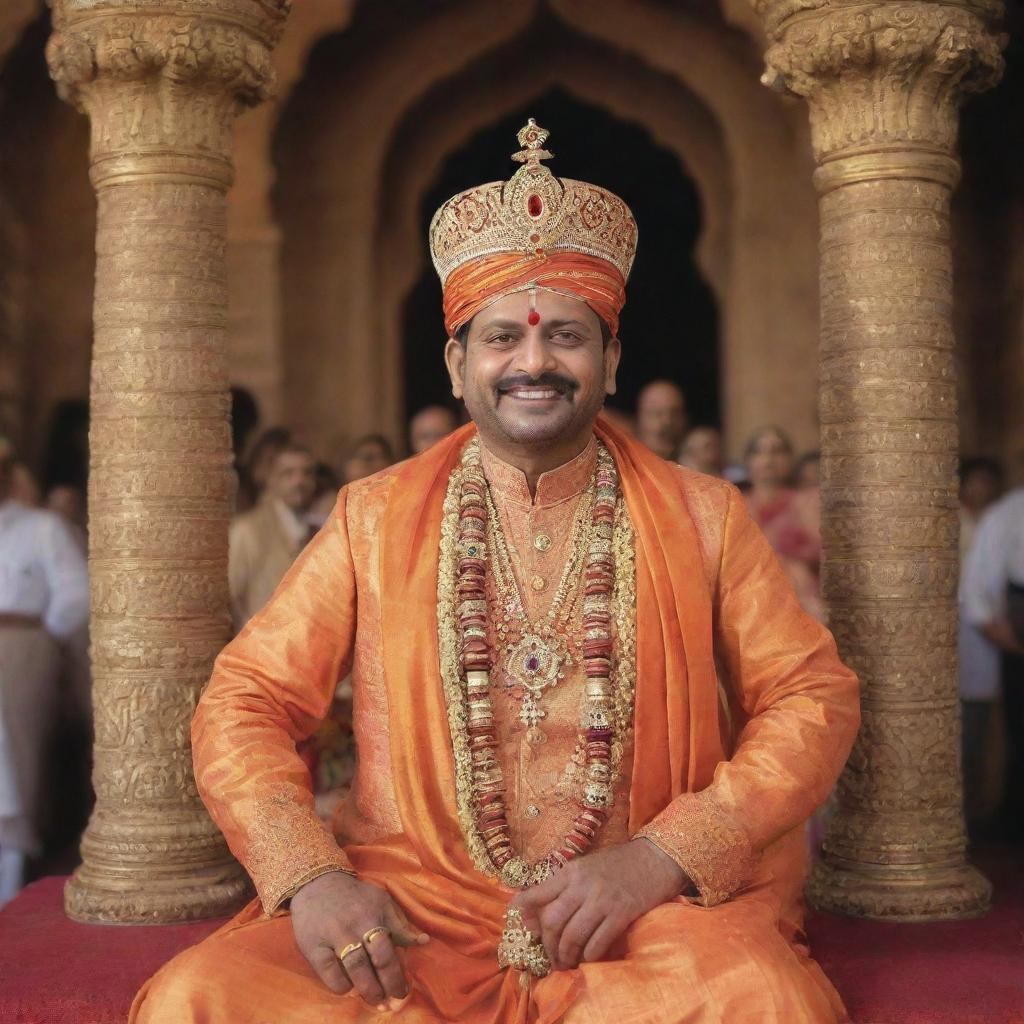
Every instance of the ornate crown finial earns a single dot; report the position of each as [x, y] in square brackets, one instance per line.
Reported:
[532, 138]
[533, 212]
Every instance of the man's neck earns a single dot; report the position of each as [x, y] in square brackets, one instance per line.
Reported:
[534, 462]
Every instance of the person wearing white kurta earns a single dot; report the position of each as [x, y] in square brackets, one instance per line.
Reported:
[44, 598]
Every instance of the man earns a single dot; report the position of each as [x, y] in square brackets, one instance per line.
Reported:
[44, 599]
[428, 426]
[368, 455]
[265, 540]
[560, 813]
[702, 451]
[661, 417]
[992, 649]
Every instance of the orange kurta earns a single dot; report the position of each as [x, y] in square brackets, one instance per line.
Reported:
[743, 718]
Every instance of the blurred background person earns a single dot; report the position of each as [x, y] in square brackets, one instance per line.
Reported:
[981, 483]
[994, 653]
[368, 455]
[264, 541]
[790, 519]
[255, 470]
[44, 598]
[661, 417]
[702, 450]
[807, 472]
[429, 425]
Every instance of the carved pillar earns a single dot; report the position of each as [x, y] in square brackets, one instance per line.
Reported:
[883, 83]
[161, 81]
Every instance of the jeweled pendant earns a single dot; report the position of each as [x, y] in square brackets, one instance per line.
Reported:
[535, 736]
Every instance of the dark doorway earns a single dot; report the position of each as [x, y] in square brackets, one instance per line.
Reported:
[670, 323]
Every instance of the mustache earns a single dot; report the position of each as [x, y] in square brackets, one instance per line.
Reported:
[557, 381]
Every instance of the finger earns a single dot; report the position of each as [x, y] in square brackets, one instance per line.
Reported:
[553, 919]
[328, 968]
[576, 935]
[543, 892]
[387, 966]
[402, 932]
[601, 940]
[362, 975]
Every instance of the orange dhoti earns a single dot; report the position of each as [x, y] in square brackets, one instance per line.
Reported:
[743, 716]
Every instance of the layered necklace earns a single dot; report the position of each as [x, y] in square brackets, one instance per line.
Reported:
[536, 655]
[536, 659]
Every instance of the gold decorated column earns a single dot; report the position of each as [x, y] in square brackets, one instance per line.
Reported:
[883, 82]
[161, 81]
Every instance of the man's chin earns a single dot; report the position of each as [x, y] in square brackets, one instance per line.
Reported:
[535, 429]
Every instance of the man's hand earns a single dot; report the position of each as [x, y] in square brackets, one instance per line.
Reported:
[581, 910]
[335, 910]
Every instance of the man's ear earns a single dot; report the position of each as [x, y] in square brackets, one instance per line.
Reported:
[455, 360]
[612, 355]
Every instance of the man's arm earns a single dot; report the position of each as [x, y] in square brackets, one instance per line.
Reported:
[67, 579]
[270, 688]
[803, 711]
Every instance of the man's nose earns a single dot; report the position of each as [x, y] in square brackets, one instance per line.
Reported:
[534, 355]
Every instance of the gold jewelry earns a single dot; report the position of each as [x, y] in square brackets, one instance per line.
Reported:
[348, 950]
[374, 932]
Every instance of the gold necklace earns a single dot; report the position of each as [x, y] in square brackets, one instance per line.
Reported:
[537, 654]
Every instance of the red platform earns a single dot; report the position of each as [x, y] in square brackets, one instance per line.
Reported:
[54, 971]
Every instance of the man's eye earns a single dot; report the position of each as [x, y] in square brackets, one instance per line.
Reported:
[566, 336]
[502, 338]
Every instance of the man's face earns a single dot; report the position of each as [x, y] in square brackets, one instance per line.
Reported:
[367, 459]
[661, 418]
[293, 480]
[536, 385]
[428, 426]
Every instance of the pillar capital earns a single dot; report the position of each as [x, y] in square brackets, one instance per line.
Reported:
[162, 80]
[883, 80]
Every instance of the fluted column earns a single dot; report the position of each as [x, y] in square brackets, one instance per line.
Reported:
[883, 82]
[161, 81]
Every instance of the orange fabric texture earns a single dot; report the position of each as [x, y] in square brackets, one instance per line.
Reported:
[477, 283]
[723, 776]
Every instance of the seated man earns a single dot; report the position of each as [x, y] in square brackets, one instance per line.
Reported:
[592, 718]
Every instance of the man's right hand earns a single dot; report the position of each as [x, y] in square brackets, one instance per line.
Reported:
[335, 910]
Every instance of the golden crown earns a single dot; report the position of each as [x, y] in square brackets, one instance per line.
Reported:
[532, 212]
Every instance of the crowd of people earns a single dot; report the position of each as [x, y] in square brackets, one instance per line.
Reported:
[285, 494]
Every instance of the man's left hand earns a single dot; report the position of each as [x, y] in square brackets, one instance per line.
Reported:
[582, 909]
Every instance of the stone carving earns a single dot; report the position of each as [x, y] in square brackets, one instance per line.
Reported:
[162, 83]
[883, 83]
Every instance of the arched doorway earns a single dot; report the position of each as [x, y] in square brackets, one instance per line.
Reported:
[670, 323]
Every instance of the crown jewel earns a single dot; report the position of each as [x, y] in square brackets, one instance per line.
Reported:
[533, 212]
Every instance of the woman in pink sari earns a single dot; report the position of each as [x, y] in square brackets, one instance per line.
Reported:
[790, 519]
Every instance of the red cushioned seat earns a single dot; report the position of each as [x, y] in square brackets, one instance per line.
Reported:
[55, 971]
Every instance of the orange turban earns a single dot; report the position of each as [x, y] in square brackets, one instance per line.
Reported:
[480, 282]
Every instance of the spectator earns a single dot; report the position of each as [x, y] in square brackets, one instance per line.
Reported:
[807, 472]
[368, 455]
[791, 520]
[252, 477]
[661, 417]
[266, 540]
[428, 426]
[994, 653]
[702, 451]
[981, 483]
[44, 598]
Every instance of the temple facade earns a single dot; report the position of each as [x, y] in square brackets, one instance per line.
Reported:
[246, 184]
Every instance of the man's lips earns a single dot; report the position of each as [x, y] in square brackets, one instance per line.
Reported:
[531, 394]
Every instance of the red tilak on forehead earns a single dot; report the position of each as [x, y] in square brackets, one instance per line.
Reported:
[534, 318]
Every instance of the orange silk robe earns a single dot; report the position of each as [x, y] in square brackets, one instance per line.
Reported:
[743, 718]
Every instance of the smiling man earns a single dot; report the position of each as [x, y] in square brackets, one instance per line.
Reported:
[591, 716]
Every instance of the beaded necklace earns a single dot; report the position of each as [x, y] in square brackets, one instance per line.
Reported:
[598, 731]
[537, 654]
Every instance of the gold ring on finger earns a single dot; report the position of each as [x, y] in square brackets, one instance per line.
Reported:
[348, 950]
[374, 932]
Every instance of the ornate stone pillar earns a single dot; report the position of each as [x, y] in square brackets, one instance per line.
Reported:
[161, 81]
[883, 83]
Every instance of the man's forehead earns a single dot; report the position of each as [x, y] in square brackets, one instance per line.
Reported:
[513, 310]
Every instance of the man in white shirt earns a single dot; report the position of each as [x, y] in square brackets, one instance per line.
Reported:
[266, 540]
[992, 657]
[44, 598]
